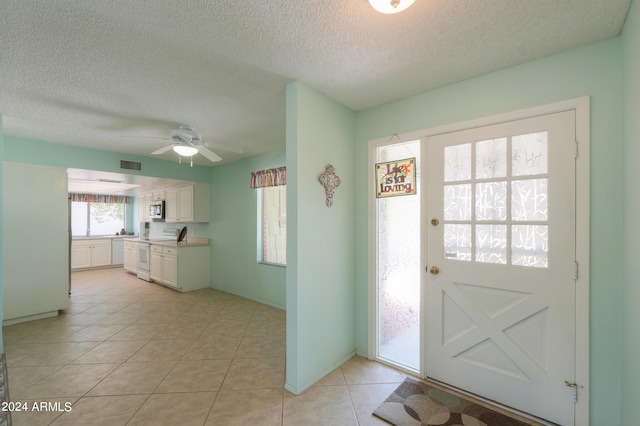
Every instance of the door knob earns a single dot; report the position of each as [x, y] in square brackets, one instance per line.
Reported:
[435, 221]
[434, 270]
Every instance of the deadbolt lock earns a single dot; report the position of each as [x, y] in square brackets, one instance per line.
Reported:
[435, 221]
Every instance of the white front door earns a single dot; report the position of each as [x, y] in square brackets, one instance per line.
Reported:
[501, 263]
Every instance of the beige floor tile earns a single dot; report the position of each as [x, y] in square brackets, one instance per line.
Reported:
[261, 346]
[133, 378]
[366, 398]
[68, 381]
[102, 410]
[269, 313]
[184, 409]
[190, 349]
[335, 378]
[237, 312]
[195, 376]
[112, 351]
[57, 353]
[180, 331]
[359, 371]
[139, 332]
[322, 405]
[76, 308]
[159, 317]
[22, 378]
[196, 317]
[218, 348]
[126, 318]
[227, 327]
[255, 373]
[39, 415]
[258, 327]
[84, 318]
[54, 335]
[108, 307]
[247, 407]
[17, 352]
[96, 333]
[167, 350]
[214, 306]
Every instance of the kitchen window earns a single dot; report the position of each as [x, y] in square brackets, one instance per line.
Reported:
[96, 219]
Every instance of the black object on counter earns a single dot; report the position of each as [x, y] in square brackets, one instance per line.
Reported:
[183, 234]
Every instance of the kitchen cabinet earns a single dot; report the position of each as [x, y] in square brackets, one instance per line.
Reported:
[131, 256]
[183, 268]
[187, 203]
[90, 253]
[157, 195]
[143, 206]
[164, 265]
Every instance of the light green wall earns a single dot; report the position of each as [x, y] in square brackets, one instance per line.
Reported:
[233, 226]
[58, 155]
[593, 71]
[631, 225]
[320, 240]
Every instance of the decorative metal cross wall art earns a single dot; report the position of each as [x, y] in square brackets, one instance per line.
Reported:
[330, 181]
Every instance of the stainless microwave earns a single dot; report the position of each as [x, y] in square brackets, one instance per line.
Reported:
[156, 210]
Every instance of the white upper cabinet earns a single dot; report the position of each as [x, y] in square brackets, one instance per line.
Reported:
[143, 206]
[185, 203]
[188, 203]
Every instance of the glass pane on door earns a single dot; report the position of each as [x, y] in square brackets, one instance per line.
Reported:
[399, 267]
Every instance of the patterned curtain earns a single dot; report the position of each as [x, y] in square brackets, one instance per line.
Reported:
[98, 198]
[269, 177]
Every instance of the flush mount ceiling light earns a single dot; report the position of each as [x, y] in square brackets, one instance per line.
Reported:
[391, 6]
[185, 151]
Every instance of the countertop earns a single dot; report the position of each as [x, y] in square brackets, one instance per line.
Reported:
[188, 242]
[103, 237]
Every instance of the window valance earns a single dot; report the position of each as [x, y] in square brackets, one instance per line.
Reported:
[269, 177]
[99, 198]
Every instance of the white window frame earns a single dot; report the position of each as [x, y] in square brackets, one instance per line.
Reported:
[262, 220]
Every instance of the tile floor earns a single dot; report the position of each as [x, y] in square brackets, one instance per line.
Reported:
[128, 352]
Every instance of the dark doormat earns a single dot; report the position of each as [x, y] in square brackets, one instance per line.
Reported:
[417, 403]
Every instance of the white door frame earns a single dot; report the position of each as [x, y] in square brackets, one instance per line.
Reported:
[582, 109]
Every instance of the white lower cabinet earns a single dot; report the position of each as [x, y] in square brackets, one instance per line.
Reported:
[131, 256]
[184, 268]
[160, 266]
[90, 253]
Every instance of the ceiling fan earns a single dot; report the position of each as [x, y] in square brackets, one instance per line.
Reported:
[186, 142]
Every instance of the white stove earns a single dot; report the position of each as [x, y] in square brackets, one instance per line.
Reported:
[144, 251]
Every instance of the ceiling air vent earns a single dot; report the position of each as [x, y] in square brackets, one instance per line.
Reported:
[130, 165]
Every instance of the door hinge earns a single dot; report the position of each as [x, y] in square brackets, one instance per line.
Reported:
[575, 271]
[574, 387]
[576, 152]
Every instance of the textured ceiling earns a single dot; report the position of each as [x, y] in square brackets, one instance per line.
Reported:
[119, 75]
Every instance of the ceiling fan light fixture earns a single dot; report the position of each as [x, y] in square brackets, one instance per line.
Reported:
[185, 151]
[390, 6]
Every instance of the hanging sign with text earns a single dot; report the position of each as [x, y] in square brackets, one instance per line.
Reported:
[395, 178]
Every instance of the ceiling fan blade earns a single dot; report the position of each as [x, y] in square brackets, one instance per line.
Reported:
[224, 147]
[210, 155]
[162, 150]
